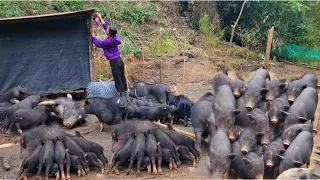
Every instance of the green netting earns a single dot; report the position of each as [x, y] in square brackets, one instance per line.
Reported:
[295, 52]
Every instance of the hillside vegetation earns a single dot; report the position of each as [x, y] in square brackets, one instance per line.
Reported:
[161, 30]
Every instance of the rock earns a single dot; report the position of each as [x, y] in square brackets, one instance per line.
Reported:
[190, 54]
[101, 176]
[6, 165]
[192, 169]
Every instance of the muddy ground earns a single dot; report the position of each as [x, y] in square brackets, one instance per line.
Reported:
[198, 81]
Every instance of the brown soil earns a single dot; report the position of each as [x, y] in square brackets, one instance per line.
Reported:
[197, 82]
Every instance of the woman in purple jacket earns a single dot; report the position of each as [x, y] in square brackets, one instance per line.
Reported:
[112, 53]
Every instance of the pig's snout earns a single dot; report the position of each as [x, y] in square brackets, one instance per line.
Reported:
[68, 125]
[232, 138]
[269, 164]
[273, 120]
[236, 94]
[244, 151]
[249, 105]
[269, 100]
[290, 100]
[249, 108]
[286, 143]
[264, 143]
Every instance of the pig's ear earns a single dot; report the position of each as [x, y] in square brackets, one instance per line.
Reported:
[279, 157]
[246, 161]
[232, 156]
[284, 113]
[267, 80]
[259, 135]
[304, 86]
[78, 134]
[237, 112]
[282, 85]
[251, 117]
[303, 120]
[298, 164]
[282, 151]
[264, 91]
[286, 107]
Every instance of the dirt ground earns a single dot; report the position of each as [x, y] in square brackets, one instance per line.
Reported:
[197, 82]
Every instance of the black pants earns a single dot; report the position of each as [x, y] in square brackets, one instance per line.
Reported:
[117, 67]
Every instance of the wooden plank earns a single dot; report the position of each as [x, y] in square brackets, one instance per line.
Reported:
[268, 48]
[92, 71]
[177, 130]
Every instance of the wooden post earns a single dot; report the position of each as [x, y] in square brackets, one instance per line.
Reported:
[268, 48]
[235, 24]
[184, 64]
[107, 70]
[160, 70]
[142, 63]
[92, 68]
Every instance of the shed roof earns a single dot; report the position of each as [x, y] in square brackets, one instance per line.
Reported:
[47, 16]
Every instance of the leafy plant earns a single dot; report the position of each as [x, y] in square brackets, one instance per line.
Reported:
[164, 43]
[208, 30]
[128, 49]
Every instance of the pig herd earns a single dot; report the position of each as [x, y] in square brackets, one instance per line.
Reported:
[19, 110]
[57, 152]
[259, 129]
[146, 144]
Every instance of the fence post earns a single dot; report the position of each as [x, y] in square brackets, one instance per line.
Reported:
[160, 69]
[268, 48]
[142, 63]
[184, 64]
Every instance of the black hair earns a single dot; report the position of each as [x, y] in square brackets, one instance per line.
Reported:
[112, 31]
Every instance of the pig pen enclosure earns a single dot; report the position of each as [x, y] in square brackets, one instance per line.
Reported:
[10, 147]
[48, 53]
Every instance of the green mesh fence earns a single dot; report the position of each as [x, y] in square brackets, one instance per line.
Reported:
[294, 52]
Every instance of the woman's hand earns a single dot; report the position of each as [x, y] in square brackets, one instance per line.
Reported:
[92, 32]
[98, 15]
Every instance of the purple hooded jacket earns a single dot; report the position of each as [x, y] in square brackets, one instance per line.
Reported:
[109, 45]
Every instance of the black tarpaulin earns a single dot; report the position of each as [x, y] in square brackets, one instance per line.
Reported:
[45, 55]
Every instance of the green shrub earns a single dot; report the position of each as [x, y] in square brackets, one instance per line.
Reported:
[134, 13]
[10, 9]
[163, 44]
[208, 30]
[250, 39]
[129, 33]
[128, 49]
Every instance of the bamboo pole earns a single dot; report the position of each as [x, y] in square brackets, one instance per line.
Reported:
[235, 24]
[107, 70]
[160, 70]
[175, 129]
[268, 48]
[184, 64]
[142, 62]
